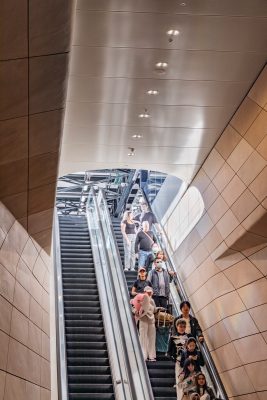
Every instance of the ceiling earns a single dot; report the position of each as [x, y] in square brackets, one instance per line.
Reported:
[212, 63]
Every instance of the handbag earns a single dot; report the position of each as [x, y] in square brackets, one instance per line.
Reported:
[163, 318]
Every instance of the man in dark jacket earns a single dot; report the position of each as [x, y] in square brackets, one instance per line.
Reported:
[160, 281]
[192, 325]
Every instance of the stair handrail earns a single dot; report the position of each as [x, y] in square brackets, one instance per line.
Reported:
[126, 192]
[62, 377]
[162, 239]
[136, 381]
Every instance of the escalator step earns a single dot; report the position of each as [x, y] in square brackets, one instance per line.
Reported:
[83, 317]
[87, 361]
[89, 369]
[87, 345]
[81, 353]
[84, 330]
[90, 388]
[83, 337]
[85, 378]
[82, 310]
[97, 396]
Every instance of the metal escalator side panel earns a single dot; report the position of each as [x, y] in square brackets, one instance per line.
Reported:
[62, 380]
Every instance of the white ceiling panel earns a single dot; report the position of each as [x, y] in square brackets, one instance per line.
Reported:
[212, 63]
[161, 116]
[153, 136]
[199, 7]
[171, 92]
[183, 64]
[144, 30]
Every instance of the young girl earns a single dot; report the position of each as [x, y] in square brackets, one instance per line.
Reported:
[186, 380]
[202, 390]
[191, 352]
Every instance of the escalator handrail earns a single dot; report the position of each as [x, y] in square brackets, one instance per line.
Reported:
[123, 288]
[211, 367]
[108, 301]
[62, 377]
[126, 192]
[137, 378]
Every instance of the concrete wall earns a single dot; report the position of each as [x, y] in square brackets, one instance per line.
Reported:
[223, 260]
[24, 314]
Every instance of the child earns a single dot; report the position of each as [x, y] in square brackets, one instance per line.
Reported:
[178, 340]
[192, 353]
[202, 390]
[186, 380]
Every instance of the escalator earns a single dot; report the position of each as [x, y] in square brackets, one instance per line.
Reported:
[161, 373]
[88, 367]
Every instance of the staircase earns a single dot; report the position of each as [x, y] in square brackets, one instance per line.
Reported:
[162, 372]
[88, 369]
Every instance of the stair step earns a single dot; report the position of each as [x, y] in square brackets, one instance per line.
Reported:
[87, 345]
[83, 337]
[86, 378]
[84, 330]
[83, 317]
[89, 369]
[87, 361]
[92, 295]
[85, 396]
[81, 310]
[92, 353]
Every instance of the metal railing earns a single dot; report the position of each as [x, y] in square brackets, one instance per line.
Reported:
[178, 294]
[130, 377]
[62, 377]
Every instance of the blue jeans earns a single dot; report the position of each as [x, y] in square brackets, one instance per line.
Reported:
[142, 256]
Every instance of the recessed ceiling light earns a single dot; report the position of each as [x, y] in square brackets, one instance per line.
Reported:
[161, 65]
[144, 114]
[136, 136]
[173, 32]
[152, 92]
[131, 152]
[183, 4]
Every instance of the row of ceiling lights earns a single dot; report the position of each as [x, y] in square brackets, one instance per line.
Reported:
[160, 67]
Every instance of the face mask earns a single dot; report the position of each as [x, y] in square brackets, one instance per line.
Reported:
[158, 265]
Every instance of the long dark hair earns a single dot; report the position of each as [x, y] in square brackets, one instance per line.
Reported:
[186, 365]
[205, 387]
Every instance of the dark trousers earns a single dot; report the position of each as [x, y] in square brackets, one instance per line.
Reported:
[161, 301]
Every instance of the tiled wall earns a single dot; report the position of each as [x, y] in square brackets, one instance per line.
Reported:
[34, 46]
[24, 314]
[223, 261]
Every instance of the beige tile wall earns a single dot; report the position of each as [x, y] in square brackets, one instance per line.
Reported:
[24, 313]
[223, 260]
[34, 47]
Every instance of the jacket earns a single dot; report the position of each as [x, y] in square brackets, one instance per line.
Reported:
[195, 327]
[177, 345]
[154, 279]
[199, 362]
